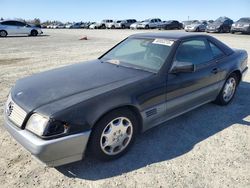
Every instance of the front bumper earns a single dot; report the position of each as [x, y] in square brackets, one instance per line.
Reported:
[190, 29]
[141, 26]
[214, 30]
[53, 152]
[240, 29]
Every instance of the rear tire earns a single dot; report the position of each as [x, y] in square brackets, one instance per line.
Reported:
[228, 90]
[3, 33]
[113, 134]
[34, 33]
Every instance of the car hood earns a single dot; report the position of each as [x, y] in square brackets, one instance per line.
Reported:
[144, 23]
[215, 24]
[242, 23]
[194, 25]
[46, 87]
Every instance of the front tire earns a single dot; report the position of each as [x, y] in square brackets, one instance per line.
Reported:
[3, 33]
[228, 91]
[113, 135]
[34, 33]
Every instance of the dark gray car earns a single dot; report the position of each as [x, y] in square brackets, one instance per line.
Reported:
[242, 25]
[102, 105]
[220, 25]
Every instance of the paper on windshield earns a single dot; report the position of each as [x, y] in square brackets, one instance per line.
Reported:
[165, 42]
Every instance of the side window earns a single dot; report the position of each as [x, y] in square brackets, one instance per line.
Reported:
[20, 24]
[215, 50]
[195, 51]
[226, 22]
[10, 23]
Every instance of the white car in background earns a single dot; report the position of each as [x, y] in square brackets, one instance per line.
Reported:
[134, 25]
[95, 25]
[59, 26]
[150, 23]
[12, 27]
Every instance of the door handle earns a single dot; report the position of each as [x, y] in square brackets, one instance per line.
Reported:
[215, 70]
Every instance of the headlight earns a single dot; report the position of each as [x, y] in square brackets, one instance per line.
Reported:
[37, 124]
[246, 25]
[233, 25]
[217, 27]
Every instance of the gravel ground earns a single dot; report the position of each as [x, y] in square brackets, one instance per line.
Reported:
[207, 147]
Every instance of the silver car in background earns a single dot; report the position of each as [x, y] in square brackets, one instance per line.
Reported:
[150, 23]
[123, 24]
[134, 25]
[12, 27]
[196, 26]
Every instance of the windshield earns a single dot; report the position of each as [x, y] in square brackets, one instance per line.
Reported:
[244, 20]
[187, 22]
[146, 54]
[220, 20]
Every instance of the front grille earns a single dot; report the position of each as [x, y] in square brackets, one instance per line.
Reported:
[15, 113]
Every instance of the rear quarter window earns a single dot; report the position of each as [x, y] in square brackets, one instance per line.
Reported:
[216, 51]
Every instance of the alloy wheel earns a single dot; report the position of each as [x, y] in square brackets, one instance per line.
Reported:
[116, 136]
[229, 89]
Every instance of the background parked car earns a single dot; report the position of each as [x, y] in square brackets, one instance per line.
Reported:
[59, 26]
[105, 23]
[12, 27]
[134, 25]
[188, 22]
[150, 23]
[87, 24]
[170, 24]
[242, 25]
[76, 25]
[196, 26]
[122, 24]
[220, 25]
[95, 25]
[111, 25]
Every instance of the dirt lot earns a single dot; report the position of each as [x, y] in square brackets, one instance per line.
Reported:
[208, 147]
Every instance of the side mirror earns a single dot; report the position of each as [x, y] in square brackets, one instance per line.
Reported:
[183, 67]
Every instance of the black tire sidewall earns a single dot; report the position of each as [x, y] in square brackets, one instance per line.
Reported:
[34, 33]
[4, 32]
[220, 100]
[94, 143]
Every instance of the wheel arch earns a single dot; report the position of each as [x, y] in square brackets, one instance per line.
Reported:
[237, 73]
[4, 31]
[130, 107]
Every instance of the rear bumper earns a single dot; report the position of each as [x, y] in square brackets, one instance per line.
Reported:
[54, 152]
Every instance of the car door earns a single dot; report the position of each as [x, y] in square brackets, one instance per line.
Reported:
[22, 28]
[10, 27]
[221, 59]
[187, 90]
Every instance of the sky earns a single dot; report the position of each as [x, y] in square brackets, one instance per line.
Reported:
[96, 10]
